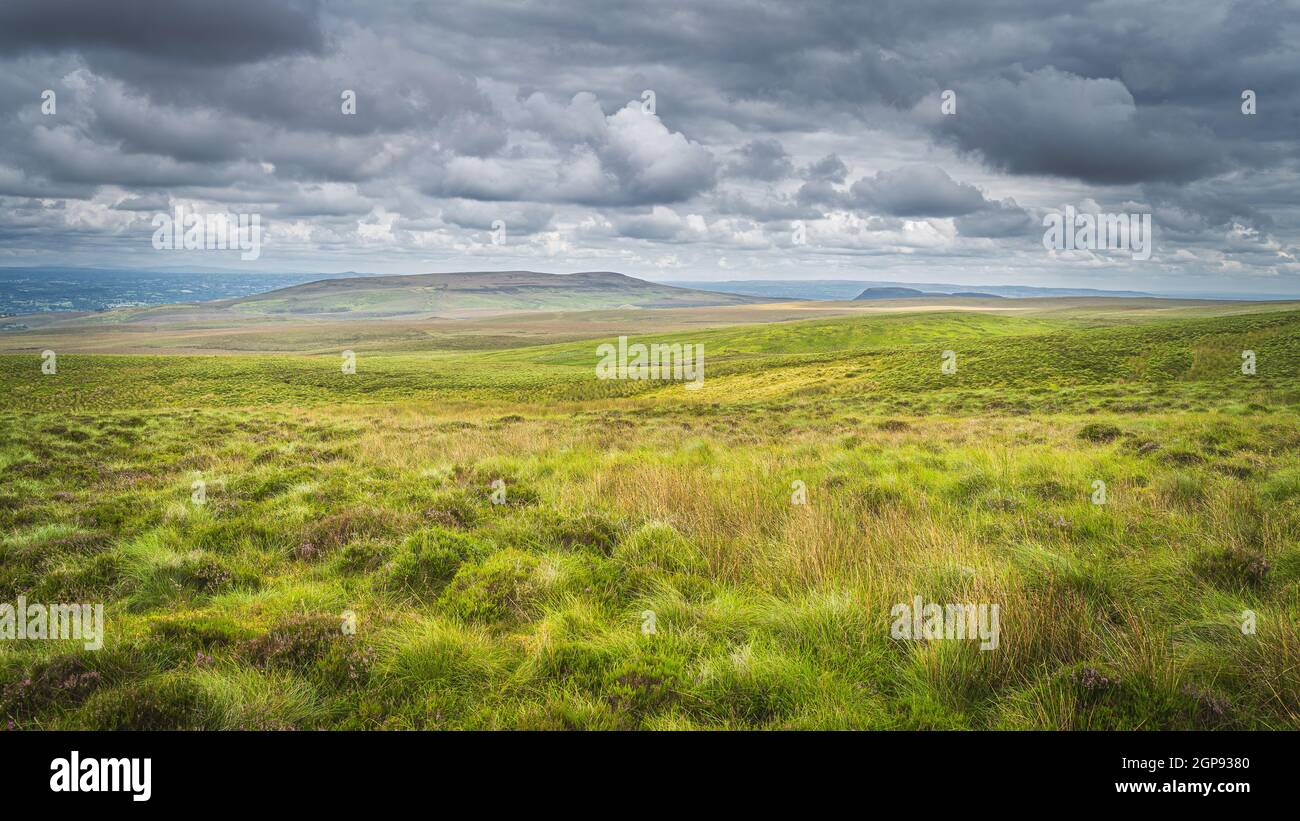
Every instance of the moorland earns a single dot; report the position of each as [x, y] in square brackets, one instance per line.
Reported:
[472, 531]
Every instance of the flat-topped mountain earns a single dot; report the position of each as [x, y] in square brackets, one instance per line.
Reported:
[912, 293]
[475, 294]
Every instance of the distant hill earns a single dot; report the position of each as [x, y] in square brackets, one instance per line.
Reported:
[474, 294]
[849, 289]
[912, 293]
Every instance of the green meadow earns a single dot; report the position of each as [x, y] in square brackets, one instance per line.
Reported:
[482, 534]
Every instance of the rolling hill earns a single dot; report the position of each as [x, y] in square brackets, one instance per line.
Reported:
[474, 294]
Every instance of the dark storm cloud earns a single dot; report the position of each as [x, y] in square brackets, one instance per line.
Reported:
[916, 191]
[662, 225]
[1052, 123]
[1001, 219]
[1143, 91]
[763, 159]
[1222, 203]
[765, 113]
[828, 169]
[919, 191]
[186, 31]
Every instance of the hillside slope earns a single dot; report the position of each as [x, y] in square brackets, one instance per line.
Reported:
[881, 363]
[826, 471]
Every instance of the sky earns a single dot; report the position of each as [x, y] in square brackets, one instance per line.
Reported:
[911, 141]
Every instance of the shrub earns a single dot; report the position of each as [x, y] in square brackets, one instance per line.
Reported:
[170, 702]
[430, 557]
[641, 686]
[295, 644]
[200, 632]
[1105, 700]
[361, 557]
[208, 574]
[593, 532]
[312, 644]
[1099, 432]
[336, 530]
[64, 680]
[503, 588]
[455, 508]
[95, 577]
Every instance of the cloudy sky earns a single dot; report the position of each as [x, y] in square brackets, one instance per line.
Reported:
[763, 116]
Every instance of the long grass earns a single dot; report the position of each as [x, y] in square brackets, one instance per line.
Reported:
[764, 527]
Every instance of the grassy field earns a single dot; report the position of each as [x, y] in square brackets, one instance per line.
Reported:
[631, 502]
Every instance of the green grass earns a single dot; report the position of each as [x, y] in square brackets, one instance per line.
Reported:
[371, 494]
